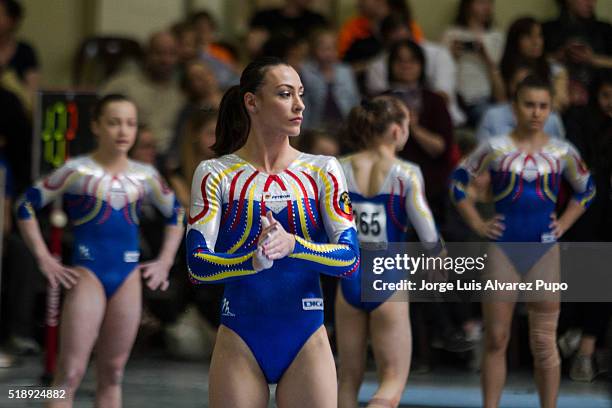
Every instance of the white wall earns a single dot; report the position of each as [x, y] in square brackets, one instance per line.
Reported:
[136, 18]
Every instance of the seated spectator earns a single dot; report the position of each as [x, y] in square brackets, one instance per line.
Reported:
[196, 142]
[431, 143]
[292, 19]
[525, 46]
[144, 149]
[292, 50]
[221, 58]
[331, 88]
[440, 72]
[154, 88]
[359, 38]
[187, 39]
[499, 119]
[202, 91]
[21, 74]
[477, 49]
[581, 42]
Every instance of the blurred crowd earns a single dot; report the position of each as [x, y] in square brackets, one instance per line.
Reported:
[458, 89]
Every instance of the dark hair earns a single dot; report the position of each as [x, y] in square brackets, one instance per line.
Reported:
[532, 82]
[509, 76]
[234, 123]
[203, 14]
[281, 45]
[13, 9]
[601, 78]
[98, 108]
[190, 155]
[400, 8]
[391, 23]
[181, 28]
[416, 50]
[463, 13]
[512, 53]
[200, 118]
[372, 118]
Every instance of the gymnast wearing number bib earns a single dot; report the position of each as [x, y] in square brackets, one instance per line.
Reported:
[266, 220]
[387, 196]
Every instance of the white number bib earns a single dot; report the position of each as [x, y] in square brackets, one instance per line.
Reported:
[371, 222]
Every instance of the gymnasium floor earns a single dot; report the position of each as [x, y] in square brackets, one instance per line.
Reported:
[155, 381]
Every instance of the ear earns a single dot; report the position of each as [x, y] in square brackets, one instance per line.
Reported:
[396, 132]
[250, 102]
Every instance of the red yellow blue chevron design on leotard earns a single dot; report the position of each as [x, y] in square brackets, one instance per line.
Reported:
[525, 185]
[277, 309]
[103, 210]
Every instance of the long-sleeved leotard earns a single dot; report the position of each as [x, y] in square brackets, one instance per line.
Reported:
[103, 210]
[386, 218]
[525, 186]
[277, 309]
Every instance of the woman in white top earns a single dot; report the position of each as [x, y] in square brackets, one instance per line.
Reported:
[477, 49]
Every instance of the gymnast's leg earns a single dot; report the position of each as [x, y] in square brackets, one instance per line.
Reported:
[351, 337]
[497, 319]
[82, 315]
[235, 378]
[310, 380]
[392, 345]
[117, 336]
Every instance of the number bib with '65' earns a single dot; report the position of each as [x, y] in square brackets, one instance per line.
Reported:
[371, 221]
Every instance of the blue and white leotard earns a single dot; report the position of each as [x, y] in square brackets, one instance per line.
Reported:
[275, 310]
[387, 216]
[525, 186]
[103, 210]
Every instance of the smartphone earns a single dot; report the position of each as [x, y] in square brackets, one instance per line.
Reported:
[470, 45]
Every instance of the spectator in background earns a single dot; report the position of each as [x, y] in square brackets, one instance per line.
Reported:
[293, 19]
[154, 88]
[21, 74]
[195, 146]
[198, 136]
[359, 38]
[22, 283]
[221, 58]
[431, 130]
[525, 46]
[292, 50]
[187, 39]
[477, 49]
[202, 90]
[581, 42]
[590, 130]
[16, 128]
[144, 149]
[499, 119]
[440, 72]
[332, 90]
[318, 142]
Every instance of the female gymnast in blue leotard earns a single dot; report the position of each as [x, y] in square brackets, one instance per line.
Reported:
[102, 193]
[526, 168]
[266, 220]
[388, 195]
